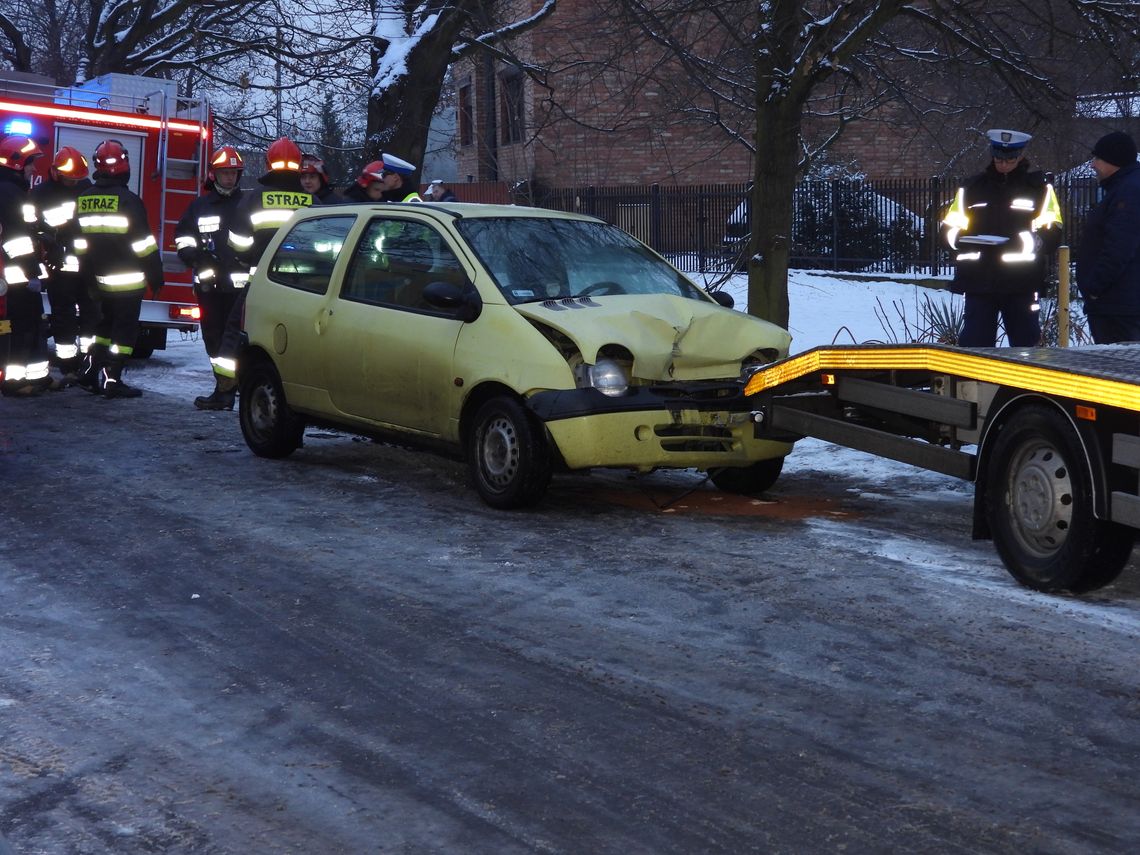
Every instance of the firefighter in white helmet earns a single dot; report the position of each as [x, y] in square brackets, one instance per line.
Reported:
[202, 240]
[119, 255]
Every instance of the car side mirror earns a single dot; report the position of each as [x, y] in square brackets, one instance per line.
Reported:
[724, 298]
[463, 302]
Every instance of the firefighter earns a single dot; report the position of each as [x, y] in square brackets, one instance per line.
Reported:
[74, 313]
[1002, 226]
[119, 255]
[26, 370]
[388, 179]
[315, 180]
[202, 240]
[259, 214]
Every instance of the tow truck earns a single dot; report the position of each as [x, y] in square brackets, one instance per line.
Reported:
[168, 139]
[1050, 437]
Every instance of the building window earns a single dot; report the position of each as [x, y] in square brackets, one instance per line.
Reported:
[466, 115]
[512, 115]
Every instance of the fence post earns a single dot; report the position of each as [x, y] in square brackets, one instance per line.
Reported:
[1063, 296]
[932, 226]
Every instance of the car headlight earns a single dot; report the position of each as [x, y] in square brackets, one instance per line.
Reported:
[609, 378]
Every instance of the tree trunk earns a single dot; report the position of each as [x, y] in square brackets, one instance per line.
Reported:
[777, 162]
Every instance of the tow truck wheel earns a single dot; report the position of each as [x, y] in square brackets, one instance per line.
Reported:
[270, 428]
[1039, 505]
[746, 480]
[508, 454]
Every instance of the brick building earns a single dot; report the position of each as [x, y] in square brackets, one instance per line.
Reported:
[582, 124]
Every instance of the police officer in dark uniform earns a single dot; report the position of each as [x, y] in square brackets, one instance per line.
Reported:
[260, 213]
[1002, 226]
[202, 240]
[117, 253]
[74, 314]
[26, 370]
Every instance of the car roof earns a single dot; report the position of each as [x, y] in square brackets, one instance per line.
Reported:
[459, 210]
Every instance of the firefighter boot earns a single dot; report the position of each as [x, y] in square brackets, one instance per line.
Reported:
[111, 380]
[222, 398]
[93, 363]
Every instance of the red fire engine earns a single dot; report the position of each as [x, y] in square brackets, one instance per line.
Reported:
[168, 139]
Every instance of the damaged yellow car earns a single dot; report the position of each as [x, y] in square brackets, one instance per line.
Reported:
[528, 341]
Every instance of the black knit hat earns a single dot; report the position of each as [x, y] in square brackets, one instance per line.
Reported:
[1116, 148]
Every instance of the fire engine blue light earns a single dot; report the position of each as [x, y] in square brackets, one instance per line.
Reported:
[19, 127]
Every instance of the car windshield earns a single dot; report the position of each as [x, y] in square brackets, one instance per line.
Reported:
[539, 258]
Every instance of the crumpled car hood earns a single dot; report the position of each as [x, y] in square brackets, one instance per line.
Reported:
[671, 338]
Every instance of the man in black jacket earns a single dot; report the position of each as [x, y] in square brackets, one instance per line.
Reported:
[260, 213]
[1001, 227]
[118, 253]
[74, 314]
[202, 240]
[25, 370]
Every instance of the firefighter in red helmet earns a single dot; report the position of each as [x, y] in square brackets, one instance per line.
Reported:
[74, 313]
[389, 179]
[26, 369]
[119, 256]
[260, 212]
[202, 240]
[315, 180]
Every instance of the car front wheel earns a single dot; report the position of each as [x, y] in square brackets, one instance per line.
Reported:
[508, 454]
[270, 428]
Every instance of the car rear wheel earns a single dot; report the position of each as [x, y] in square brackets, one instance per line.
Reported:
[508, 454]
[1039, 505]
[746, 480]
[270, 428]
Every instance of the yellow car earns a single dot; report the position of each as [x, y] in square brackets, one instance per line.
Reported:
[528, 341]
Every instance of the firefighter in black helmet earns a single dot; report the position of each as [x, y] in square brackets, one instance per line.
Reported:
[119, 255]
[202, 240]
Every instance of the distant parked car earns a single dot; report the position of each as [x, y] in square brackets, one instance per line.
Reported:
[525, 340]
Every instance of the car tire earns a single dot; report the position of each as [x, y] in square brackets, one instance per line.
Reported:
[270, 428]
[1039, 506]
[508, 454]
[748, 480]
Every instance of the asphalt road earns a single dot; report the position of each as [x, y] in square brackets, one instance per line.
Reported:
[346, 652]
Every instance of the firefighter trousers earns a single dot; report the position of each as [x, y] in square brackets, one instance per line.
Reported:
[118, 324]
[216, 305]
[74, 310]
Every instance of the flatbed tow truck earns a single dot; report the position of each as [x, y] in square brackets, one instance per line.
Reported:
[1049, 436]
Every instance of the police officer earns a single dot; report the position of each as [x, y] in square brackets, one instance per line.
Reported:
[388, 179]
[74, 313]
[260, 212]
[118, 253]
[1002, 226]
[26, 370]
[202, 240]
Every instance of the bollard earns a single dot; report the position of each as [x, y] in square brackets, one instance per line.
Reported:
[1063, 296]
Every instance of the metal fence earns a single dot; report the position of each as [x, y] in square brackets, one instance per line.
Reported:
[844, 225]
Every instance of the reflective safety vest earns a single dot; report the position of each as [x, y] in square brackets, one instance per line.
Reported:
[114, 244]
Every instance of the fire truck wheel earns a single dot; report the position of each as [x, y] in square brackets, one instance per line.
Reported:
[747, 480]
[1039, 505]
[270, 428]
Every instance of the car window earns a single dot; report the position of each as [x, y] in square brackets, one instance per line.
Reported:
[540, 258]
[395, 260]
[305, 259]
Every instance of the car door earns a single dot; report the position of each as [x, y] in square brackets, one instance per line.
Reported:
[388, 355]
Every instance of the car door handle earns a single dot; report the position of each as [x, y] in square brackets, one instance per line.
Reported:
[323, 320]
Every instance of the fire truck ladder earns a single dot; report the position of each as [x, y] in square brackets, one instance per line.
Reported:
[171, 170]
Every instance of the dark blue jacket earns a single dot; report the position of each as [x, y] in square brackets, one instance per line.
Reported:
[1108, 264]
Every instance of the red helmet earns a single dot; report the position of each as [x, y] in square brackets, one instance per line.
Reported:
[18, 152]
[372, 172]
[227, 157]
[313, 165]
[111, 158]
[283, 156]
[70, 163]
